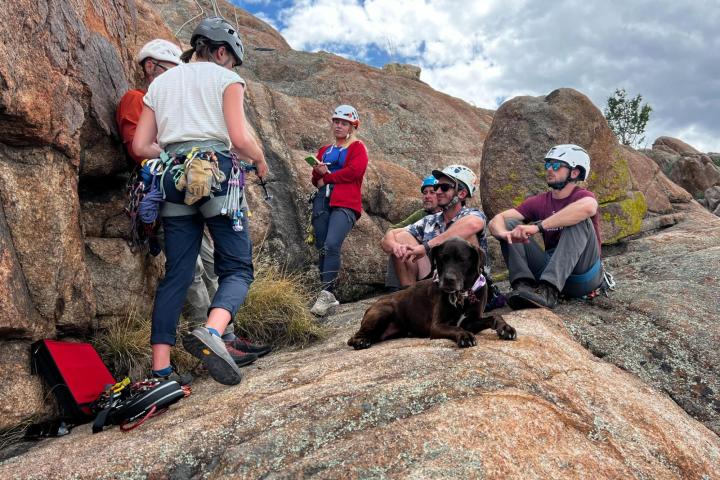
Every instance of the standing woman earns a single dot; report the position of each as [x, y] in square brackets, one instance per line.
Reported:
[338, 202]
[200, 104]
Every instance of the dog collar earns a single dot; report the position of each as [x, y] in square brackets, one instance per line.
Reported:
[459, 297]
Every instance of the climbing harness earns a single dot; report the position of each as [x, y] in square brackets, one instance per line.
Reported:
[197, 173]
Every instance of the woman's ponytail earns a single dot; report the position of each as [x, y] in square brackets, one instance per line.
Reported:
[187, 55]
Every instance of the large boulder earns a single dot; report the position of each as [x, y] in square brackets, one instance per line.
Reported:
[58, 92]
[647, 177]
[686, 166]
[695, 174]
[537, 407]
[524, 129]
[674, 146]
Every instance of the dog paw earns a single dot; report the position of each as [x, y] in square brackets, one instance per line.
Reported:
[506, 332]
[359, 343]
[466, 340]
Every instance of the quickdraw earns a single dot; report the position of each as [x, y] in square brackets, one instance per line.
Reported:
[232, 207]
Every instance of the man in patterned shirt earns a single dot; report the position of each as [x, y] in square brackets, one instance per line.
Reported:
[410, 246]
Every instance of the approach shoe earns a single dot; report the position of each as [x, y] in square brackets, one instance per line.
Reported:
[324, 303]
[244, 345]
[212, 351]
[544, 296]
[523, 285]
[181, 378]
[240, 358]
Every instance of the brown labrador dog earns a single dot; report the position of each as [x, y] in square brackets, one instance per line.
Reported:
[449, 306]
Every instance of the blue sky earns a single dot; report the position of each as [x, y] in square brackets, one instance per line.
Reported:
[491, 50]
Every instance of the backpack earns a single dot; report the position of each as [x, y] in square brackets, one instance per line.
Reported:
[74, 373]
[126, 402]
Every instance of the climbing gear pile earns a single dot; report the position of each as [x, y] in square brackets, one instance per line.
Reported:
[130, 404]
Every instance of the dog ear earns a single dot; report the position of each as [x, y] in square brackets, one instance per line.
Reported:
[434, 255]
[480, 259]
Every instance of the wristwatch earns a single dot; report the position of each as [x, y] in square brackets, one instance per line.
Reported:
[539, 225]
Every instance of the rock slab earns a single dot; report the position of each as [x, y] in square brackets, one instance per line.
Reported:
[537, 407]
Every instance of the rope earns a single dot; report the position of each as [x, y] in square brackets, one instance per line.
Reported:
[150, 204]
[202, 12]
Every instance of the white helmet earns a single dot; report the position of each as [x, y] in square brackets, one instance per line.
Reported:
[459, 173]
[574, 156]
[347, 112]
[161, 50]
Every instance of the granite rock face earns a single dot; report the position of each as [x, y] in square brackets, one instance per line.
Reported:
[689, 168]
[661, 322]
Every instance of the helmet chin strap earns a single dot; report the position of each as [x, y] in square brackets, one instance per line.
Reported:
[560, 185]
[455, 200]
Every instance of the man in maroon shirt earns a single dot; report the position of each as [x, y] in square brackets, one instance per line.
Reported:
[567, 218]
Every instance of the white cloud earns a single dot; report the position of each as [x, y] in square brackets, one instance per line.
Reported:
[485, 52]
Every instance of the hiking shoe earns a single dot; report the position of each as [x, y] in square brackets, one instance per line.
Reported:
[545, 295]
[240, 358]
[523, 285]
[324, 303]
[181, 378]
[244, 345]
[214, 355]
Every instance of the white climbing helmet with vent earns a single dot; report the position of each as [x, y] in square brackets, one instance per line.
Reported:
[347, 112]
[160, 50]
[574, 156]
[459, 173]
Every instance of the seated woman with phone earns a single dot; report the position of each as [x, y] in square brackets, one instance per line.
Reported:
[338, 171]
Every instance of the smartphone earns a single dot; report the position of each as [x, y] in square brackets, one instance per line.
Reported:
[312, 161]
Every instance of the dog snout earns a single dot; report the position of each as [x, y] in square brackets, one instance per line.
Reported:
[451, 282]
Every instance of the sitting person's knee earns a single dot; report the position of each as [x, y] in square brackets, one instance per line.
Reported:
[511, 223]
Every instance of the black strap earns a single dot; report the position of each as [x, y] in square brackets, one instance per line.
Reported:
[101, 420]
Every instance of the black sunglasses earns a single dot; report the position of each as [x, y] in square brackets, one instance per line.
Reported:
[157, 64]
[444, 187]
[556, 165]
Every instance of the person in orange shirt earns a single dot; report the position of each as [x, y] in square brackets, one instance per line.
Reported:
[155, 58]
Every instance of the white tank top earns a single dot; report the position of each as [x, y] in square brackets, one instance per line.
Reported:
[188, 102]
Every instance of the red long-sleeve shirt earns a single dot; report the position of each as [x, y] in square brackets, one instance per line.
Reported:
[347, 181]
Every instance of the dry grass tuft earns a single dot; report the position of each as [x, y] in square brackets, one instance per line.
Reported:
[125, 347]
[276, 309]
[275, 312]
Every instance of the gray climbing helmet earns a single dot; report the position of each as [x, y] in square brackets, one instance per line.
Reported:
[217, 29]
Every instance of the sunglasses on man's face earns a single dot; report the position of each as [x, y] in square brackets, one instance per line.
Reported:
[556, 165]
[444, 187]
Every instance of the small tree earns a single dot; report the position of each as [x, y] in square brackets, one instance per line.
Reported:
[627, 117]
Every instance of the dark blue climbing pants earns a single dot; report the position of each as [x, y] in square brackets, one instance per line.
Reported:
[233, 266]
[331, 226]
